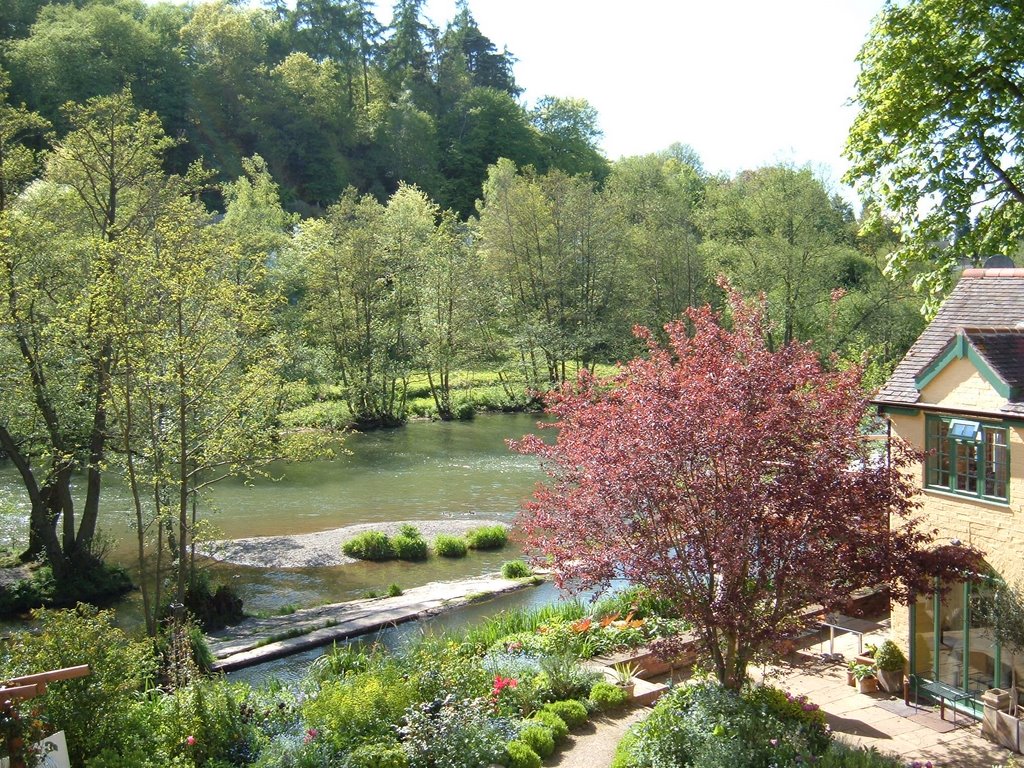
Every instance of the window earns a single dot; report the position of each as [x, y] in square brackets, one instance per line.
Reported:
[967, 457]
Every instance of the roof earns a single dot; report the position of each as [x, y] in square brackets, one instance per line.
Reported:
[987, 307]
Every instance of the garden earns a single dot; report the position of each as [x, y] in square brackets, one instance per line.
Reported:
[508, 691]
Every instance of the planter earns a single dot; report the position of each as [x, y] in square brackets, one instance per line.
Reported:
[997, 724]
[868, 660]
[627, 688]
[890, 680]
[867, 685]
[850, 679]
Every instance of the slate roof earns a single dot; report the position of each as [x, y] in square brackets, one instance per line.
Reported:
[989, 305]
[1003, 350]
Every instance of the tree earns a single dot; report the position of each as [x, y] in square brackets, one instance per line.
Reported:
[938, 139]
[776, 231]
[569, 136]
[731, 479]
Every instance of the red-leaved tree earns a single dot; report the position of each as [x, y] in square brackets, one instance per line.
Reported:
[731, 479]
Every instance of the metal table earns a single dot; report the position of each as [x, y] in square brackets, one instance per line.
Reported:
[843, 623]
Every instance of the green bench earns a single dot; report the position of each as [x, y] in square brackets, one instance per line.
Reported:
[941, 692]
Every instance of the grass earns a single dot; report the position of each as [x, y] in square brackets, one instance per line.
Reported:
[488, 632]
[515, 569]
[487, 537]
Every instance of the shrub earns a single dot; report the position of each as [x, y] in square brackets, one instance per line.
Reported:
[559, 730]
[454, 732]
[369, 545]
[573, 712]
[519, 755]
[515, 569]
[25, 594]
[563, 677]
[840, 755]
[361, 707]
[539, 738]
[889, 657]
[450, 546]
[707, 726]
[412, 548]
[377, 755]
[394, 590]
[97, 711]
[605, 696]
[487, 537]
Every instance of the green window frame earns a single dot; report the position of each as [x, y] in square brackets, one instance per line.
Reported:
[967, 457]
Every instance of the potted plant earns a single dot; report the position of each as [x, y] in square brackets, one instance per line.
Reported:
[624, 674]
[865, 677]
[867, 657]
[889, 665]
[850, 679]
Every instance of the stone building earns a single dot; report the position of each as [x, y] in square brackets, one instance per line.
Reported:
[958, 396]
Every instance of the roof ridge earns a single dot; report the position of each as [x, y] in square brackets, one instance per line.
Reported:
[979, 272]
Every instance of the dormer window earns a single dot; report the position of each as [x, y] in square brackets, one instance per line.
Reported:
[968, 458]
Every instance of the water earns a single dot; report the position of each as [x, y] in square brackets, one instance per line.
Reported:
[423, 471]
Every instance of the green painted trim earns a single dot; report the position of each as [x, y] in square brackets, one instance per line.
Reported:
[898, 410]
[936, 633]
[961, 348]
[965, 664]
[912, 656]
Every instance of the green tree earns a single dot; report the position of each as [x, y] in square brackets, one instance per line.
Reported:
[656, 202]
[105, 183]
[569, 136]
[550, 250]
[938, 136]
[776, 231]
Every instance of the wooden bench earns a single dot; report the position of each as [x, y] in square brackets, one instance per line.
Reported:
[942, 692]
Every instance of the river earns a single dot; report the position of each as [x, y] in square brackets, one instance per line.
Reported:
[422, 471]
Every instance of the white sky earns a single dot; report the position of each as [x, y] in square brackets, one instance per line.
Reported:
[745, 82]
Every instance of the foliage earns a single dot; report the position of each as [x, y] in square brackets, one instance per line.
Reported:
[361, 707]
[605, 696]
[487, 537]
[704, 725]
[369, 545]
[409, 544]
[889, 657]
[563, 677]
[449, 546]
[515, 569]
[547, 718]
[937, 136]
[519, 755]
[572, 711]
[394, 590]
[92, 710]
[454, 732]
[25, 594]
[539, 738]
[741, 506]
[377, 755]
[840, 755]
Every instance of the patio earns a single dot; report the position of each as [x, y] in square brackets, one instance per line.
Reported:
[878, 719]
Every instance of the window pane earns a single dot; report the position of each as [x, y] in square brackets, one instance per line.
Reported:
[981, 657]
[966, 468]
[924, 636]
[938, 457]
[996, 462]
[951, 637]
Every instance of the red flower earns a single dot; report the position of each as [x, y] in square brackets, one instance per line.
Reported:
[501, 683]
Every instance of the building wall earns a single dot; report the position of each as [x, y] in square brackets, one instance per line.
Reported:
[995, 529]
[959, 385]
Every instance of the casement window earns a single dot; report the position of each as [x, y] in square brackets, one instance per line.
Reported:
[966, 457]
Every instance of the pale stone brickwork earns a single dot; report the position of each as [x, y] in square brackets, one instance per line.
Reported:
[959, 385]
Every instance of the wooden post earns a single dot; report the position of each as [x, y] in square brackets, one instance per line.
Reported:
[28, 687]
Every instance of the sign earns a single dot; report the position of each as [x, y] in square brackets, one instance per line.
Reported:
[54, 750]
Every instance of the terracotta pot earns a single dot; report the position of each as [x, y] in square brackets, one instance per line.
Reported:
[850, 679]
[628, 688]
[867, 685]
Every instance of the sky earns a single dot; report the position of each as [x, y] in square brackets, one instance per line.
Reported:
[746, 83]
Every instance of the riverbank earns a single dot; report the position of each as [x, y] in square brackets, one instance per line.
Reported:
[256, 640]
[323, 549]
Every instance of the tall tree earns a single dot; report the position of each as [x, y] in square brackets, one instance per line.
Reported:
[105, 184]
[569, 137]
[776, 231]
[732, 480]
[938, 139]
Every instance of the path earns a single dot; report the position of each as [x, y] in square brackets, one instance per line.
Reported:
[594, 746]
[257, 640]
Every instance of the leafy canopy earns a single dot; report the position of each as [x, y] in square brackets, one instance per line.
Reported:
[938, 136]
[731, 479]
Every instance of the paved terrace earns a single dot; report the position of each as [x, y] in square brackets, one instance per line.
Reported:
[880, 720]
